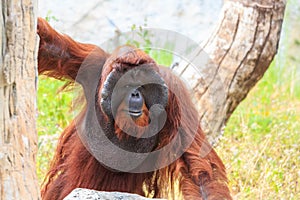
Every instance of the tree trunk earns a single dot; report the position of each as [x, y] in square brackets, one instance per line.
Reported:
[18, 75]
[240, 51]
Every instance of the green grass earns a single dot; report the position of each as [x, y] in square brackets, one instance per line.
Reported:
[261, 143]
[54, 114]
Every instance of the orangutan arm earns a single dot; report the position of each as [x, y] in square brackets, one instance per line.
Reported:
[60, 56]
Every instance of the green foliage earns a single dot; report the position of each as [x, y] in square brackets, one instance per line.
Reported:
[50, 17]
[54, 114]
[143, 35]
[161, 56]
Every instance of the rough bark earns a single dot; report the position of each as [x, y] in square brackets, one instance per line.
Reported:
[18, 139]
[240, 51]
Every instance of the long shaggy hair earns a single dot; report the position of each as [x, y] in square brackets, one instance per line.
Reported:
[197, 173]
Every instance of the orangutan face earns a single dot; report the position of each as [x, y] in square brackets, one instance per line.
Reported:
[132, 98]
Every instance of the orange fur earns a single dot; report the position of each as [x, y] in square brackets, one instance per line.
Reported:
[199, 172]
[133, 125]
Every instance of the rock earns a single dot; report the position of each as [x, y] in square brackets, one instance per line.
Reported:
[86, 194]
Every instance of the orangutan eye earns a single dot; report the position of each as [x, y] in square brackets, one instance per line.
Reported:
[127, 87]
[131, 87]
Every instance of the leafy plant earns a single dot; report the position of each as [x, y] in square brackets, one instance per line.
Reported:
[50, 17]
[161, 56]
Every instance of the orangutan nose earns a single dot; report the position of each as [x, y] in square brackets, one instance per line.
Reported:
[136, 102]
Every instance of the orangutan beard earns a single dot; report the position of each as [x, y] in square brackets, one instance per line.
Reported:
[126, 125]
